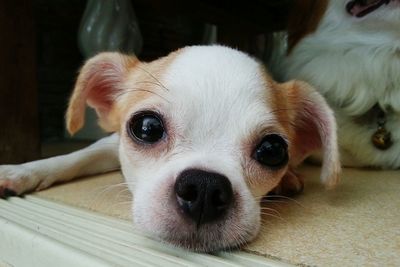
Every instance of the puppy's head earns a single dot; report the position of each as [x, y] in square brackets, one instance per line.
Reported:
[204, 134]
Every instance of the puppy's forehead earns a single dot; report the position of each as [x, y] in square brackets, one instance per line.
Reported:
[219, 84]
[212, 69]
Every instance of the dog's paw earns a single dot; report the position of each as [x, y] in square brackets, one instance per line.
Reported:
[16, 180]
[290, 185]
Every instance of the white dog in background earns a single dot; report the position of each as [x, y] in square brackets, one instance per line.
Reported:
[200, 135]
[350, 52]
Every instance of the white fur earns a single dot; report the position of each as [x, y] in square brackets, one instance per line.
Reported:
[354, 63]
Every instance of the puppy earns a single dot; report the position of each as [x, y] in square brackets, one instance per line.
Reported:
[200, 135]
[350, 51]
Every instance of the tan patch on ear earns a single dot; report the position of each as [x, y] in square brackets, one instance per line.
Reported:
[75, 116]
[142, 81]
[98, 81]
[314, 128]
[105, 83]
[304, 19]
[277, 99]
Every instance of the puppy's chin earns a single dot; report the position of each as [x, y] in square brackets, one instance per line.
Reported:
[164, 221]
[211, 237]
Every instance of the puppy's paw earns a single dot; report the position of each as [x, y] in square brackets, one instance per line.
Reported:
[290, 185]
[16, 180]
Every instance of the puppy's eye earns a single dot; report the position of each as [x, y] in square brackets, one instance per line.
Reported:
[146, 128]
[272, 151]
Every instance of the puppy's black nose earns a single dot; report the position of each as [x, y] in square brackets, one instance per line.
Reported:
[203, 196]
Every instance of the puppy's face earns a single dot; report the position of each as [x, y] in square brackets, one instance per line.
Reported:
[204, 134]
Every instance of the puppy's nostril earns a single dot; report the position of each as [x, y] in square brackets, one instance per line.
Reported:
[188, 193]
[219, 198]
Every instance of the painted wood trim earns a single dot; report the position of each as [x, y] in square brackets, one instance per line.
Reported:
[38, 232]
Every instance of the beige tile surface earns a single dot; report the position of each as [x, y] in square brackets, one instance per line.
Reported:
[104, 193]
[356, 224]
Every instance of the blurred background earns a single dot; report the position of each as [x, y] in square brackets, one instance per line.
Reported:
[44, 42]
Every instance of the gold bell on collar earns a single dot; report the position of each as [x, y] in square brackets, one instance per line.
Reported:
[382, 139]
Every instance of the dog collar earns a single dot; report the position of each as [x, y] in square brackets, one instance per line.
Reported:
[382, 138]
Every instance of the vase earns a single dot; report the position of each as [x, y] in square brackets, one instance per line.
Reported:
[109, 25]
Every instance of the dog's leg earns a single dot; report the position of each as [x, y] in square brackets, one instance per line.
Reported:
[99, 157]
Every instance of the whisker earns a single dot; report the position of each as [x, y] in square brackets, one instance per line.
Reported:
[123, 191]
[120, 204]
[101, 191]
[140, 90]
[286, 198]
[274, 202]
[152, 76]
[271, 215]
[150, 82]
[272, 210]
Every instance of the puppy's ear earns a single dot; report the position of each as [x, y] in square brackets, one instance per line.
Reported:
[98, 84]
[314, 129]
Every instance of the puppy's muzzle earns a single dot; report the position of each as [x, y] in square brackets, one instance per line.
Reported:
[203, 196]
